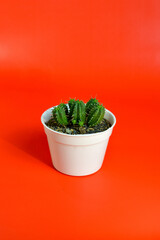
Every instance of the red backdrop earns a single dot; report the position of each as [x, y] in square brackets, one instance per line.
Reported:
[53, 50]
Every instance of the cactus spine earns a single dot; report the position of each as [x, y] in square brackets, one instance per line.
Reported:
[91, 103]
[95, 115]
[78, 114]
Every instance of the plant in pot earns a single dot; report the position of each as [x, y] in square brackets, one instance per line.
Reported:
[78, 135]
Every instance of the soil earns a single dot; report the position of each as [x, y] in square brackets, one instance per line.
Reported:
[76, 129]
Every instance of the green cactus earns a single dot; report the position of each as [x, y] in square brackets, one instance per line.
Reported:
[78, 114]
[64, 107]
[59, 114]
[95, 115]
[71, 104]
[90, 104]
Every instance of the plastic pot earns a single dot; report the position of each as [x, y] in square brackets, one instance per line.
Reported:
[77, 155]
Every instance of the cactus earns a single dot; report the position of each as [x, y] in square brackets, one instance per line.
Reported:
[64, 107]
[59, 114]
[78, 114]
[95, 116]
[71, 104]
[91, 103]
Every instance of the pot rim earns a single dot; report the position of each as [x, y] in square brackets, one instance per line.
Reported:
[78, 135]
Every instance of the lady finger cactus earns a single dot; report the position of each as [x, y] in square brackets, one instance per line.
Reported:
[91, 103]
[79, 114]
[95, 115]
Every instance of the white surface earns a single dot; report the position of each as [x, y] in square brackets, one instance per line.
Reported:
[77, 155]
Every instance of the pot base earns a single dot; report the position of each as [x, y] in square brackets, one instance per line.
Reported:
[77, 175]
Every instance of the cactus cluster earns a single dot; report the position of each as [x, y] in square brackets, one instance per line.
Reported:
[76, 112]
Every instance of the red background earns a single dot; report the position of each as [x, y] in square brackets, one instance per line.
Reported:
[50, 51]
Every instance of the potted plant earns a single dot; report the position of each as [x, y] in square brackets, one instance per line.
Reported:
[78, 135]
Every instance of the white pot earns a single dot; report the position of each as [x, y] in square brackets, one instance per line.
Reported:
[77, 155]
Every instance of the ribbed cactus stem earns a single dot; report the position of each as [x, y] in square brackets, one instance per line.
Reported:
[71, 104]
[59, 114]
[79, 114]
[95, 115]
[91, 103]
[64, 107]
